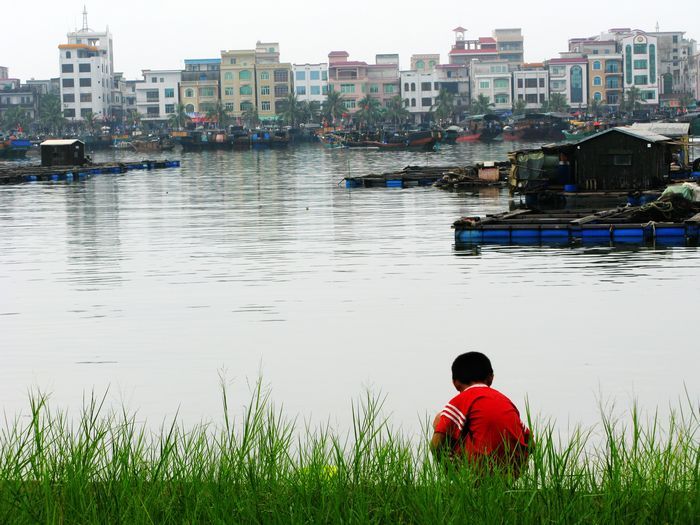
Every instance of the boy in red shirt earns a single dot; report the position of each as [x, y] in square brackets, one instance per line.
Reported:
[480, 424]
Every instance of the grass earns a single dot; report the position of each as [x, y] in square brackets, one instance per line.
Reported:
[264, 468]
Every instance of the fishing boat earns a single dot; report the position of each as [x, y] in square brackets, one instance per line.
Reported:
[199, 140]
[486, 128]
[14, 148]
[153, 144]
[397, 141]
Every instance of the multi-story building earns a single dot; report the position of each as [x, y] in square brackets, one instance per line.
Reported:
[531, 84]
[51, 86]
[87, 69]
[675, 53]
[238, 90]
[157, 96]
[425, 63]
[494, 80]
[273, 79]
[23, 97]
[311, 82]
[641, 66]
[199, 87]
[568, 76]
[605, 83]
[696, 76]
[464, 51]
[129, 96]
[418, 91]
[454, 78]
[383, 78]
[510, 44]
[349, 78]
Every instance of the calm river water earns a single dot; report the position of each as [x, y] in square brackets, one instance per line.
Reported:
[261, 264]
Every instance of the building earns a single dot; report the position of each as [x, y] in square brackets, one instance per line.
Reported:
[310, 82]
[676, 66]
[605, 82]
[51, 86]
[158, 95]
[349, 78]
[641, 66]
[454, 78]
[238, 90]
[510, 44]
[531, 85]
[568, 76]
[4, 73]
[273, 79]
[23, 97]
[425, 63]
[418, 91]
[493, 79]
[87, 69]
[464, 51]
[383, 78]
[199, 87]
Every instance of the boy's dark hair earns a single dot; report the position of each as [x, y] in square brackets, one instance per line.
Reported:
[471, 367]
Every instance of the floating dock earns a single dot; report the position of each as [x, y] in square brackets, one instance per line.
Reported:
[413, 176]
[19, 173]
[621, 225]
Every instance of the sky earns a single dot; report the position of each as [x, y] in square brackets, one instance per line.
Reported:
[160, 35]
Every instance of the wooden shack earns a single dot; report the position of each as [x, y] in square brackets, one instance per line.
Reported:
[68, 152]
[622, 159]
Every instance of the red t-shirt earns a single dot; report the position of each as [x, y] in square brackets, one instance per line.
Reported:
[494, 423]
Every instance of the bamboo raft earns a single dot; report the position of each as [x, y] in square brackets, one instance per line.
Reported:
[19, 173]
[619, 225]
[448, 177]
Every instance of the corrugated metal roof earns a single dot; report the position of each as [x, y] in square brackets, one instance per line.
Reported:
[60, 142]
[638, 134]
[669, 129]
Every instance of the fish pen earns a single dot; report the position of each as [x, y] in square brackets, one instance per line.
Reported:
[447, 177]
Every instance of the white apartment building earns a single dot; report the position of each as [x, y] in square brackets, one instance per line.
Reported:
[310, 82]
[532, 86]
[569, 76]
[494, 80]
[158, 94]
[87, 69]
[640, 62]
[418, 91]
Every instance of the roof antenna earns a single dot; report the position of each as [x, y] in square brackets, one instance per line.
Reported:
[657, 26]
[85, 24]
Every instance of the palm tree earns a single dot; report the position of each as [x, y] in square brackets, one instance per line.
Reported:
[519, 107]
[15, 117]
[481, 105]
[217, 113]
[309, 111]
[557, 103]
[133, 118]
[334, 106]
[179, 118]
[90, 122]
[370, 110]
[632, 100]
[250, 116]
[396, 111]
[596, 107]
[444, 105]
[291, 110]
[50, 113]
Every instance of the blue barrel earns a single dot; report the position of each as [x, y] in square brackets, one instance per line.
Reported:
[570, 188]
[394, 183]
[633, 201]
[30, 178]
[69, 176]
[646, 199]
[54, 176]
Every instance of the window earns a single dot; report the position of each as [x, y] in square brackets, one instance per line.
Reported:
[265, 90]
[612, 83]
[281, 90]
[405, 86]
[162, 80]
[189, 93]
[232, 61]
[499, 69]
[69, 113]
[324, 89]
[426, 102]
[84, 68]
[84, 112]
[86, 97]
[189, 108]
[281, 75]
[598, 96]
[228, 91]
[648, 95]
[300, 75]
[69, 97]
[531, 98]
[154, 79]
[640, 49]
[374, 88]
[640, 64]
[541, 82]
[620, 160]
[245, 75]
[576, 84]
[597, 81]
[68, 83]
[420, 64]
[425, 86]
[152, 111]
[169, 109]
[264, 75]
[413, 86]
[641, 79]
[349, 104]
[314, 75]
[596, 65]
[301, 90]
[484, 84]
[152, 95]
[503, 83]
[347, 88]
[557, 70]
[432, 64]
[316, 90]
[675, 39]
[68, 56]
[228, 75]
[436, 86]
[67, 68]
[612, 67]
[542, 98]
[228, 106]
[413, 102]
[246, 105]
[501, 99]
[265, 105]
[520, 82]
[246, 90]
[389, 88]
[85, 82]
[324, 75]
[169, 93]
[206, 92]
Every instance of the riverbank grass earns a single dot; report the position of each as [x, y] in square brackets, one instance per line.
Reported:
[262, 467]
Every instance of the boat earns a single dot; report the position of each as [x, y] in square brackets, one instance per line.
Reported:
[279, 139]
[200, 140]
[153, 144]
[539, 126]
[397, 141]
[486, 128]
[451, 134]
[14, 148]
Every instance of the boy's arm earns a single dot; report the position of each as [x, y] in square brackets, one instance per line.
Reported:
[438, 444]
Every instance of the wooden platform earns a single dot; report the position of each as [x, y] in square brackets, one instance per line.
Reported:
[412, 176]
[13, 173]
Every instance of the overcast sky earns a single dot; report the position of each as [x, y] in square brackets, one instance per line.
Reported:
[161, 34]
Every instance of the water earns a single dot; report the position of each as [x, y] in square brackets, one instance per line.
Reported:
[248, 264]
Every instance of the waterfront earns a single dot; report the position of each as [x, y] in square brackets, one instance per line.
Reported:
[261, 263]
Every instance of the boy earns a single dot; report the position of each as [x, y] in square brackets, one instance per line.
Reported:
[480, 424]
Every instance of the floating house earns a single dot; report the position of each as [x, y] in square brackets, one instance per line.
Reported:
[63, 153]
